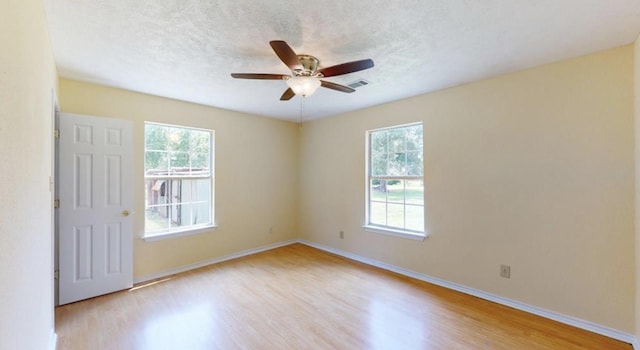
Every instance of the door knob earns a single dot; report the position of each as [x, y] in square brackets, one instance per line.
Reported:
[125, 213]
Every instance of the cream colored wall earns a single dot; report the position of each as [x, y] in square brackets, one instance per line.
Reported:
[256, 173]
[27, 79]
[534, 169]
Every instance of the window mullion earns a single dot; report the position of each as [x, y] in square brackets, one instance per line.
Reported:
[408, 177]
[174, 177]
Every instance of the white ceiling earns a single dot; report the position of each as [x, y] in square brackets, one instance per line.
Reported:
[186, 49]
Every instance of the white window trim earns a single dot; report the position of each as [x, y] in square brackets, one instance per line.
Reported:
[387, 230]
[177, 233]
[417, 236]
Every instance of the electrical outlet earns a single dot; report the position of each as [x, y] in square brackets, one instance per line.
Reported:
[341, 234]
[270, 229]
[505, 271]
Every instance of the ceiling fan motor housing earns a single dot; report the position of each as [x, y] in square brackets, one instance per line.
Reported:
[310, 65]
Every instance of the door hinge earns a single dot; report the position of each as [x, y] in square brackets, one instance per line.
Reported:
[56, 203]
[56, 275]
[56, 133]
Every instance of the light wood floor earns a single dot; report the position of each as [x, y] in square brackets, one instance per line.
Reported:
[297, 297]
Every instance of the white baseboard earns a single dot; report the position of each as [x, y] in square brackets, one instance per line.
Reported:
[53, 340]
[635, 344]
[572, 321]
[197, 265]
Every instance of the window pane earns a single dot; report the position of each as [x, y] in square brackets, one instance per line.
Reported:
[379, 164]
[378, 153]
[200, 163]
[414, 163]
[395, 191]
[395, 215]
[397, 140]
[378, 190]
[202, 214]
[396, 165]
[193, 214]
[199, 141]
[178, 139]
[415, 218]
[414, 192]
[155, 193]
[156, 137]
[176, 214]
[186, 217]
[179, 163]
[414, 138]
[156, 213]
[378, 214]
[156, 162]
[156, 219]
[201, 191]
[379, 142]
[184, 191]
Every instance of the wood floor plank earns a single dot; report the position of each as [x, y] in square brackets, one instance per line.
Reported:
[298, 297]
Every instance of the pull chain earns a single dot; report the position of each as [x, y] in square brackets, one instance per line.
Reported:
[301, 110]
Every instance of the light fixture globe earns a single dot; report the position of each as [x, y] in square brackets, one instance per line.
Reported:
[303, 85]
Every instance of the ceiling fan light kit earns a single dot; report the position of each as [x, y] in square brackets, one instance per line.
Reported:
[303, 85]
[306, 73]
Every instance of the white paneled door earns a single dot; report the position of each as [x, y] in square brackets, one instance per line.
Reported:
[95, 225]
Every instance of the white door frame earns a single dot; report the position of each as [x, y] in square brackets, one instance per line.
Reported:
[53, 187]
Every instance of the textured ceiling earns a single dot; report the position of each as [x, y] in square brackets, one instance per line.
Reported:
[186, 49]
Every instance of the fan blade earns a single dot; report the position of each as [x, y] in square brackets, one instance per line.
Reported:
[286, 55]
[337, 87]
[260, 76]
[288, 94]
[346, 68]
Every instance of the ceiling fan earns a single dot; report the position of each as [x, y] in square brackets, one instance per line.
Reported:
[306, 73]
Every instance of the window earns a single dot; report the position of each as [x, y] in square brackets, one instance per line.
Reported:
[395, 186]
[178, 179]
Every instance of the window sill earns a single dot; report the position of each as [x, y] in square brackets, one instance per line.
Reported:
[397, 233]
[172, 234]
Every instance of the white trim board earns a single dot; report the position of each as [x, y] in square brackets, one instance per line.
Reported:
[53, 340]
[570, 320]
[635, 344]
[197, 265]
